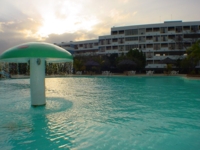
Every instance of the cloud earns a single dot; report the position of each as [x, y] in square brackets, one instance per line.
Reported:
[9, 12]
[67, 37]
[17, 32]
[61, 21]
[123, 1]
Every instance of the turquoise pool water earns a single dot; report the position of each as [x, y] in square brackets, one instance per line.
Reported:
[87, 113]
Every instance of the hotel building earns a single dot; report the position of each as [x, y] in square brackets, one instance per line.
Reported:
[158, 41]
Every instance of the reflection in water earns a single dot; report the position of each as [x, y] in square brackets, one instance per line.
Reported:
[29, 127]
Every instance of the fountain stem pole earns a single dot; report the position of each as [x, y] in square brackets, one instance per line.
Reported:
[37, 81]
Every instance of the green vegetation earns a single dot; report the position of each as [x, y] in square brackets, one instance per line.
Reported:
[58, 68]
[111, 62]
[138, 57]
[192, 59]
[134, 60]
[169, 68]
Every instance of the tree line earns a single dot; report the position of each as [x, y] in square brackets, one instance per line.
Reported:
[134, 59]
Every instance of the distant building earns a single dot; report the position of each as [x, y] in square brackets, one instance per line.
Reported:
[157, 41]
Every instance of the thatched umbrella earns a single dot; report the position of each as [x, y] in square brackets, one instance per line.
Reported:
[126, 64]
[168, 61]
[91, 65]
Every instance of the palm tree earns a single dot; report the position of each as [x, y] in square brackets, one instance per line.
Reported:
[78, 65]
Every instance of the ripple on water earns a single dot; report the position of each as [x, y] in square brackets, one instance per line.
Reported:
[103, 113]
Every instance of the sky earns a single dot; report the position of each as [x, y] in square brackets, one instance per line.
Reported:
[56, 21]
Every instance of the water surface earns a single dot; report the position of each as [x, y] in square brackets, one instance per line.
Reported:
[140, 113]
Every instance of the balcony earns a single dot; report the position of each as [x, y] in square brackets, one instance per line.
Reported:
[120, 42]
[142, 40]
[151, 66]
[115, 47]
[156, 39]
[171, 30]
[121, 32]
[149, 55]
[174, 57]
[186, 29]
[156, 48]
[114, 33]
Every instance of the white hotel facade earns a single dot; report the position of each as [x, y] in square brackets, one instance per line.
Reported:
[157, 41]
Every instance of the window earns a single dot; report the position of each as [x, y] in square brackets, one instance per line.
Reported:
[149, 55]
[156, 46]
[179, 38]
[156, 38]
[149, 38]
[120, 40]
[142, 39]
[164, 38]
[66, 45]
[131, 32]
[178, 29]
[164, 45]
[108, 47]
[114, 40]
[149, 45]
[121, 32]
[192, 36]
[186, 27]
[115, 47]
[107, 41]
[148, 29]
[90, 45]
[131, 39]
[141, 31]
[172, 46]
[156, 29]
[187, 44]
[75, 46]
[171, 37]
[101, 42]
[194, 28]
[179, 45]
[129, 47]
[142, 46]
[170, 28]
[113, 32]
[102, 49]
[121, 48]
[163, 30]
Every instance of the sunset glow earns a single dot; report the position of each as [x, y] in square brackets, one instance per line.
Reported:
[68, 18]
[71, 20]
[54, 25]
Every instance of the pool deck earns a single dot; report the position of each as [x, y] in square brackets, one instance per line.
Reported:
[113, 74]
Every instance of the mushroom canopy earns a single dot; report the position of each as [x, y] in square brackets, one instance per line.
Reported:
[24, 52]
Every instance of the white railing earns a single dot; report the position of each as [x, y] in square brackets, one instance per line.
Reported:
[174, 72]
[174, 57]
[78, 72]
[107, 73]
[155, 66]
[149, 72]
[131, 72]
[5, 74]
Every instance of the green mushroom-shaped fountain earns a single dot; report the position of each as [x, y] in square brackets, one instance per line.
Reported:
[37, 53]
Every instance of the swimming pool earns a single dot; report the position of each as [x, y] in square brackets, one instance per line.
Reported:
[140, 113]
